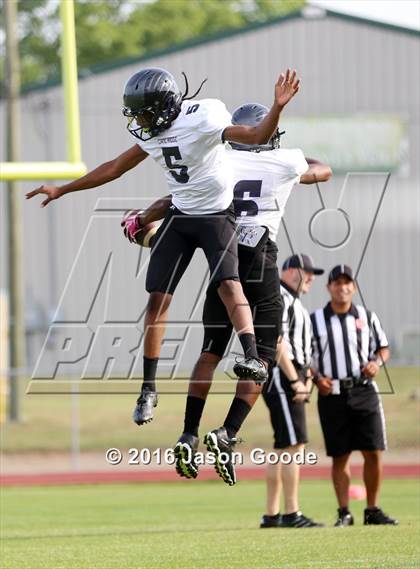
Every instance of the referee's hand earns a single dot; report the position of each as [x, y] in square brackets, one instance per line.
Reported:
[301, 392]
[324, 385]
[370, 370]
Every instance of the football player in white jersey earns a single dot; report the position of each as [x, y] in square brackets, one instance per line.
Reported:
[264, 176]
[186, 138]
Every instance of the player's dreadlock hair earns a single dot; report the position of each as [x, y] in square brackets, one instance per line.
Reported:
[184, 96]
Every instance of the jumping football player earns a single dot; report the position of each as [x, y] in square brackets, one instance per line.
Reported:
[264, 176]
[186, 137]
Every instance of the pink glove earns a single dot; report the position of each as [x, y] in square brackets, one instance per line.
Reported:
[131, 224]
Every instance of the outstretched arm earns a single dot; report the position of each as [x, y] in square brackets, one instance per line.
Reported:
[101, 175]
[317, 172]
[285, 89]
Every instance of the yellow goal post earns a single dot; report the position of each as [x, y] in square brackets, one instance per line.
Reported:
[73, 167]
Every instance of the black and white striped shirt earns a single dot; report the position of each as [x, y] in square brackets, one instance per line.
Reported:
[344, 343]
[296, 327]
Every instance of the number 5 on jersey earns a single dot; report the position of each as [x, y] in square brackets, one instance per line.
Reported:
[171, 154]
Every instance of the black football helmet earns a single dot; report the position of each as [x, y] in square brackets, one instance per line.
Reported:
[252, 114]
[152, 101]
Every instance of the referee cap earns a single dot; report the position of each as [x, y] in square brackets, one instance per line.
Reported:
[301, 261]
[338, 271]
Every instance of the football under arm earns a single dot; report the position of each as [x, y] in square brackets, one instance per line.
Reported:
[317, 172]
[156, 211]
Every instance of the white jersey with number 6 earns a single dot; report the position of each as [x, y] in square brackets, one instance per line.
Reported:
[262, 184]
[192, 154]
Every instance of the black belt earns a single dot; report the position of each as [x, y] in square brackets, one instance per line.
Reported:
[350, 382]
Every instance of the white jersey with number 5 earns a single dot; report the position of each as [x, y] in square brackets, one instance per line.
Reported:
[192, 154]
[262, 184]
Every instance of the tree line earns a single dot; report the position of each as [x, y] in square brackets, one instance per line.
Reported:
[109, 30]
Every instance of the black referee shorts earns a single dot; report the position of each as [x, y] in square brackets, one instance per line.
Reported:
[353, 420]
[177, 239]
[260, 281]
[288, 418]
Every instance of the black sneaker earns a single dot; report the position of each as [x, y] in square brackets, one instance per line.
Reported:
[222, 446]
[298, 520]
[251, 368]
[185, 451]
[270, 521]
[376, 517]
[344, 519]
[143, 413]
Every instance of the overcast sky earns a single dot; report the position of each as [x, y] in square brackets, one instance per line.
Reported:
[399, 12]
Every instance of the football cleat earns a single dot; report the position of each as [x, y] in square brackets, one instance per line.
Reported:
[185, 451]
[143, 413]
[270, 521]
[222, 446]
[344, 519]
[298, 520]
[251, 368]
[376, 517]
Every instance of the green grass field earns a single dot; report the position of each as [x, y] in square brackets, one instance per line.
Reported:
[199, 525]
[105, 420]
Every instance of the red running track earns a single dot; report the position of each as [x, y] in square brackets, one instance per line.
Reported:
[315, 472]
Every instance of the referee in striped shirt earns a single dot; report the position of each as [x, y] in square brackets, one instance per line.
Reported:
[286, 393]
[349, 349]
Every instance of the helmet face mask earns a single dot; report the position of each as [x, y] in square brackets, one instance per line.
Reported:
[251, 115]
[143, 118]
[152, 101]
[140, 123]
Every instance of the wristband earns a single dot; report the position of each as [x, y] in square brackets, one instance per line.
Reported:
[294, 381]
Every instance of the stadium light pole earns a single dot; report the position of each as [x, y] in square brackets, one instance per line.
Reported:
[15, 280]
